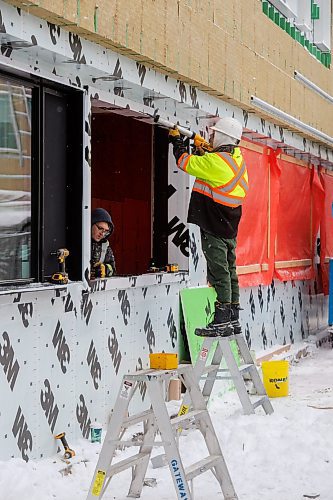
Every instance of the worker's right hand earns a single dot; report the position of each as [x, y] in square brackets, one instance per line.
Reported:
[174, 135]
[99, 270]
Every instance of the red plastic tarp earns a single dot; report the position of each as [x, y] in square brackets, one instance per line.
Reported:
[294, 237]
[252, 240]
[326, 227]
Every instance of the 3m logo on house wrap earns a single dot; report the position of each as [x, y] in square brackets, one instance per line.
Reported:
[47, 402]
[172, 328]
[113, 346]
[98, 285]
[69, 304]
[24, 440]
[142, 385]
[76, 48]
[7, 355]
[181, 238]
[63, 351]
[148, 328]
[179, 479]
[86, 307]
[25, 311]
[124, 305]
[194, 251]
[83, 417]
[95, 366]
[54, 30]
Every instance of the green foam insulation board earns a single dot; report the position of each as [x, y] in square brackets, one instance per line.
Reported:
[198, 308]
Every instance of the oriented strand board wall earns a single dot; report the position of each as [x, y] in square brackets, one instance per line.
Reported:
[230, 49]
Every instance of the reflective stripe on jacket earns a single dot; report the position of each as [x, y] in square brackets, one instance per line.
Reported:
[219, 176]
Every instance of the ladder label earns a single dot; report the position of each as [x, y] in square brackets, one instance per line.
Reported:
[126, 389]
[98, 483]
[183, 410]
[179, 479]
[204, 353]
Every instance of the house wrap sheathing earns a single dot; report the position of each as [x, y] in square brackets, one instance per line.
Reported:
[65, 348]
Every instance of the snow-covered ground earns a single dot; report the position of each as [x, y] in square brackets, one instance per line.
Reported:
[284, 456]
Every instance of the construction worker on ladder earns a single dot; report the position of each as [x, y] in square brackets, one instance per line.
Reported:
[216, 207]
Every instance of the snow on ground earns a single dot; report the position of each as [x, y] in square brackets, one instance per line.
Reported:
[285, 456]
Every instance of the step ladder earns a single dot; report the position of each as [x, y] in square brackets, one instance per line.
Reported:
[220, 349]
[154, 420]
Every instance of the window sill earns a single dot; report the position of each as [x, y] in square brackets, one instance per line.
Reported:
[116, 283]
[32, 287]
[141, 281]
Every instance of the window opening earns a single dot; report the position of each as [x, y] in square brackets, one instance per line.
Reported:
[125, 182]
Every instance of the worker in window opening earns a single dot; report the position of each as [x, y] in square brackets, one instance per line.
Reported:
[102, 263]
[216, 207]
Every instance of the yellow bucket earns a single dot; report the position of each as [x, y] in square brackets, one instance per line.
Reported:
[276, 378]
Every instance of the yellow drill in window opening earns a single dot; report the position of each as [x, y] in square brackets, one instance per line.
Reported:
[61, 277]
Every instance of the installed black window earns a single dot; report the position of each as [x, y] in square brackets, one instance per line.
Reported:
[40, 179]
[15, 181]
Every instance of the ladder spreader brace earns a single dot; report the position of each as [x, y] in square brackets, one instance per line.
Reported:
[157, 419]
[220, 348]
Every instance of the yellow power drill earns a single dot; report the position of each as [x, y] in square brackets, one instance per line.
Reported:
[68, 452]
[61, 277]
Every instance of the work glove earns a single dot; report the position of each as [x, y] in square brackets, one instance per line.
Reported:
[98, 270]
[108, 270]
[201, 143]
[174, 136]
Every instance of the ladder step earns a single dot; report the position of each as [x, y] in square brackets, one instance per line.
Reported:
[211, 368]
[241, 368]
[138, 417]
[246, 368]
[126, 463]
[260, 401]
[191, 414]
[201, 466]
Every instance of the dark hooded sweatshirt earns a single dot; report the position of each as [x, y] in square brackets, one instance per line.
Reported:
[101, 250]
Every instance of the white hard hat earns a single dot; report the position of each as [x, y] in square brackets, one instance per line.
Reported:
[227, 131]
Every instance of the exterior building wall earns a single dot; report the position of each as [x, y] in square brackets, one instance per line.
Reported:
[229, 49]
[64, 349]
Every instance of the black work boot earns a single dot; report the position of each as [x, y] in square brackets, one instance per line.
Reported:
[234, 318]
[220, 326]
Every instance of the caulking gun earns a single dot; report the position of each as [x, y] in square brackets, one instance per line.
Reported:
[199, 142]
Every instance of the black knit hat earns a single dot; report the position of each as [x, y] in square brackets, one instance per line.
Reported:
[101, 215]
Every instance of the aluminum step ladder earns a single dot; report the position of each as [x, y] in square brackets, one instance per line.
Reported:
[220, 348]
[154, 420]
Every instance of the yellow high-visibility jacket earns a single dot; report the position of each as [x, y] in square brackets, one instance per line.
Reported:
[219, 190]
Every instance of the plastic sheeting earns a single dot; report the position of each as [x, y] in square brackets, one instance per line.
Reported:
[281, 217]
[253, 240]
[326, 227]
[294, 219]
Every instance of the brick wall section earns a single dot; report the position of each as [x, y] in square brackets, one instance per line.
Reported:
[229, 49]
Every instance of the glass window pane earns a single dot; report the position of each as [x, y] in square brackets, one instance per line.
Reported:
[7, 122]
[15, 181]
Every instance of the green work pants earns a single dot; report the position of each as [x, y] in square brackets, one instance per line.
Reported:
[220, 255]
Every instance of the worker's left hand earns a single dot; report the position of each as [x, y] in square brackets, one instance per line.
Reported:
[108, 270]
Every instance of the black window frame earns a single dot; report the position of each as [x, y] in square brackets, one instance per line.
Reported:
[41, 230]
